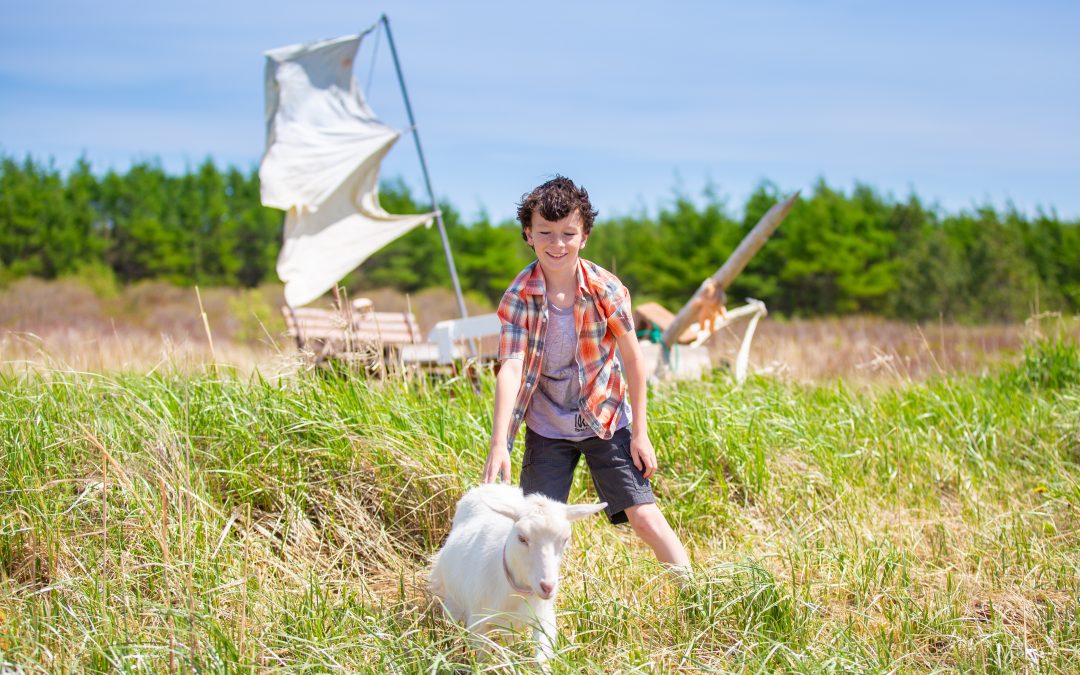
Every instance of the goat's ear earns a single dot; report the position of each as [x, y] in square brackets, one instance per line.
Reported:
[503, 509]
[579, 511]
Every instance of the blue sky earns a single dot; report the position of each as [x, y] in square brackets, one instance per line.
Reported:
[964, 103]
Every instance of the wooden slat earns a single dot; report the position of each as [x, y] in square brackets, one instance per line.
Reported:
[333, 328]
[315, 333]
[320, 316]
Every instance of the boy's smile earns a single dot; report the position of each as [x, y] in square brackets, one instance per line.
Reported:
[557, 243]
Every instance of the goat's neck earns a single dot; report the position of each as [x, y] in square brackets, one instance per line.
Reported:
[524, 590]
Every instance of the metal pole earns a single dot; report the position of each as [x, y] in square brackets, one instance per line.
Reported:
[423, 167]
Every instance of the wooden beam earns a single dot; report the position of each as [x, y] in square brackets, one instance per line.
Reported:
[735, 264]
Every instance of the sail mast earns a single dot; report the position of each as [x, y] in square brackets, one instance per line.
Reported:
[427, 177]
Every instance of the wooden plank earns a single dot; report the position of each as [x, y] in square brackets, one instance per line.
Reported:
[660, 317]
[731, 268]
[340, 332]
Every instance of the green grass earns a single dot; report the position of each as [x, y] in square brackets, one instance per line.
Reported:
[216, 523]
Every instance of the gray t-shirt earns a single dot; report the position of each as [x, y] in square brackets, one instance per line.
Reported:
[553, 409]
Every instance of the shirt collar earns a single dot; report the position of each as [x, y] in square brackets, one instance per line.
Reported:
[582, 279]
[534, 285]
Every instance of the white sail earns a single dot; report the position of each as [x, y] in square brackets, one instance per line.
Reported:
[324, 148]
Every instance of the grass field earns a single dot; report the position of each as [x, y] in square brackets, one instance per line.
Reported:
[207, 519]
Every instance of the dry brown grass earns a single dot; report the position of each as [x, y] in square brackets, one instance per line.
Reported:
[151, 325]
[155, 325]
[871, 349]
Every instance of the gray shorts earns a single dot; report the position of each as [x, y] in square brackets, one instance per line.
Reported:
[549, 463]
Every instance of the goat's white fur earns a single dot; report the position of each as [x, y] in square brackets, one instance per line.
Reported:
[468, 575]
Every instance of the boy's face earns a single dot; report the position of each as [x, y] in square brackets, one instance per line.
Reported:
[556, 243]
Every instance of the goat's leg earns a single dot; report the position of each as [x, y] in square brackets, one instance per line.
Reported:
[454, 610]
[478, 638]
[545, 633]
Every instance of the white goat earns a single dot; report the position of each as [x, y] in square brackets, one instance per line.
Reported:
[500, 564]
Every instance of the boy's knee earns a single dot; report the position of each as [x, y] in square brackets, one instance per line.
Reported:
[645, 519]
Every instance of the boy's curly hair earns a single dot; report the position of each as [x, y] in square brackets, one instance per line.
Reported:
[555, 200]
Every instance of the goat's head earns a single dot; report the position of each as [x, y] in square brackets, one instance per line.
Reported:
[534, 548]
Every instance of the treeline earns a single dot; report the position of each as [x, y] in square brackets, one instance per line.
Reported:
[837, 253]
[206, 226]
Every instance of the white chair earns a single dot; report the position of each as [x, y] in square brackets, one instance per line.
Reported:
[447, 334]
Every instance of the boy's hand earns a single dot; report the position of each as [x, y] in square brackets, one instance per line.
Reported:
[641, 451]
[497, 464]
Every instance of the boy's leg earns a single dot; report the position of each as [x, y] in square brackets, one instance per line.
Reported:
[651, 525]
[629, 496]
[548, 466]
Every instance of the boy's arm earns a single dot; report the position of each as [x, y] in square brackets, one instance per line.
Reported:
[641, 449]
[507, 383]
[513, 341]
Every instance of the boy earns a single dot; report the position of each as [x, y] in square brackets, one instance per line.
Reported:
[562, 318]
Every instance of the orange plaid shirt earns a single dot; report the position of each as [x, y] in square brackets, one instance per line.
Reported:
[601, 315]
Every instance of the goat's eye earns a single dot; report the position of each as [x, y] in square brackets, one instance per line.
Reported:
[523, 540]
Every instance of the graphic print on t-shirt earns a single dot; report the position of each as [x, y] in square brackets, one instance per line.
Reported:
[579, 424]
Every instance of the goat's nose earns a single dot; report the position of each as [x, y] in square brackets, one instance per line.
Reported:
[546, 589]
